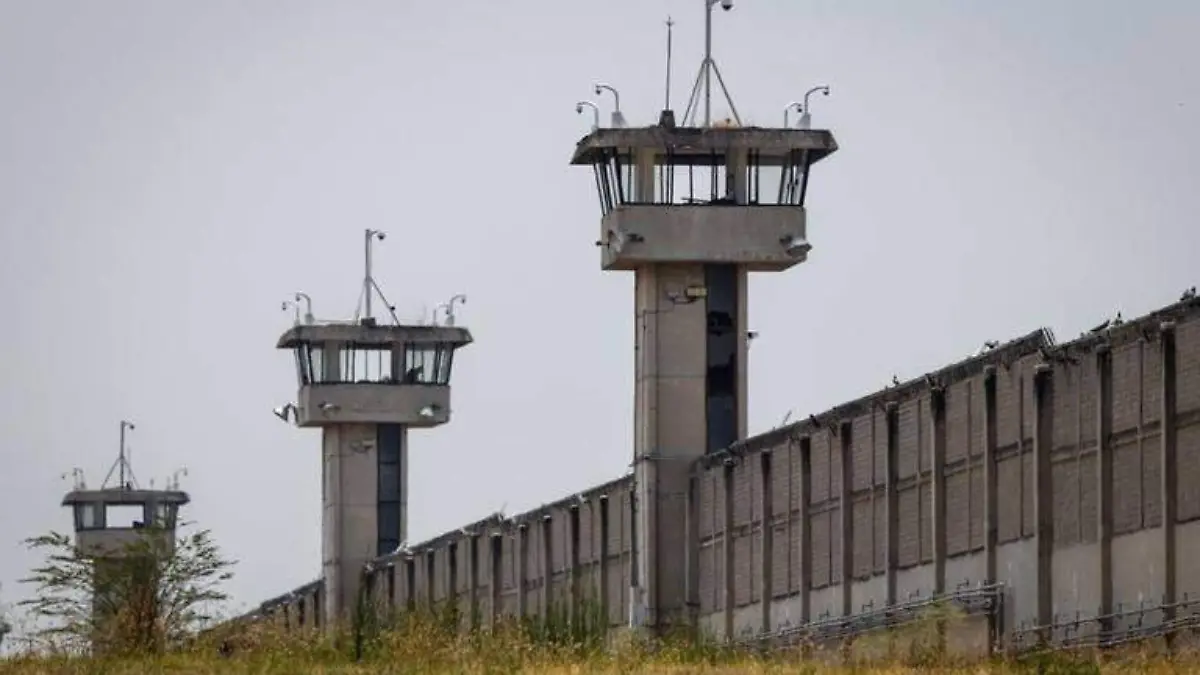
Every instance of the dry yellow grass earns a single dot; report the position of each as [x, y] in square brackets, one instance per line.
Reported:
[425, 647]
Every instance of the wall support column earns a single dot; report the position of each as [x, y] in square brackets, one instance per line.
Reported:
[937, 460]
[996, 626]
[1043, 438]
[893, 500]
[766, 548]
[602, 595]
[452, 558]
[692, 553]
[846, 515]
[727, 575]
[1104, 480]
[430, 577]
[410, 583]
[937, 456]
[473, 584]
[496, 578]
[522, 564]
[547, 565]
[804, 564]
[1169, 472]
[573, 563]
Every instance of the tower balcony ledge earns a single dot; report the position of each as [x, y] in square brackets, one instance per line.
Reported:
[416, 405]
[764, 238]
[113, 542]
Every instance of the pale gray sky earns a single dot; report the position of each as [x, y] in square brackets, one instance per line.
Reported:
[170, 171]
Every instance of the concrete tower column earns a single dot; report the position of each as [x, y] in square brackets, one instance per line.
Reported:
[691, 254]
[364, 496]
[365, 385]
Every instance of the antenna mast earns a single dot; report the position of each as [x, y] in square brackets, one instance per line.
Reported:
[667, 98]
[369, 284]
[708, 68]
[123, 465]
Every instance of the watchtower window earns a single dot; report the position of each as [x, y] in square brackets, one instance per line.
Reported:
[703, 178]
[125, 516]
[366, 365]
[164, 515]
[86, 517]
[310, 362]
[427, 363]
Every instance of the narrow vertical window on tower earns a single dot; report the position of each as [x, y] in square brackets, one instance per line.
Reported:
[722, 347]
[391, 482]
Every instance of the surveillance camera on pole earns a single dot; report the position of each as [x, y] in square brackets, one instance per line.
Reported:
[595, 112]
[618, 119]
[806, 116]
[726, 5]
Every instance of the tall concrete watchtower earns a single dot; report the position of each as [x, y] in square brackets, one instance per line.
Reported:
[111, 526]
[365, 384]
[691, 211]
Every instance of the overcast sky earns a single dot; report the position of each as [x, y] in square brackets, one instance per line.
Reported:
[171, 171]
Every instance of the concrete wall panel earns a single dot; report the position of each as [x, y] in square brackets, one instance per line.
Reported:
[1075, 581]
[786, 613]
[1016, 568]
[863, 560]
[781, 558]
[1187, 365]
[914, 582]
[868, 594]
[1187, 555]
[965, 570]
[821, 552]
[826, 602]
[1137, 570]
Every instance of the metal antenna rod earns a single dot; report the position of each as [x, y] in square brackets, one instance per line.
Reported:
[123, 466]
[368, 283]
[391, 310]
[708, 5]
[367, 274]
[708, 68]
[667, 98]
[121, 453]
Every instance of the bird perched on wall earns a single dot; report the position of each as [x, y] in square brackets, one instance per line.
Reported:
[1189, 294]
[895, 381]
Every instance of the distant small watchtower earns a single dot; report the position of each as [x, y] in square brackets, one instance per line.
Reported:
[111, 524]
[364, 384]
[692, 210]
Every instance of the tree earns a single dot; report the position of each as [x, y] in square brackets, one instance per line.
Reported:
[5, 626]
[144, 597]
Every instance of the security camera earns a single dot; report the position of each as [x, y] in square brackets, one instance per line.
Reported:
[795, 246]
[726, 5]
[381, 235]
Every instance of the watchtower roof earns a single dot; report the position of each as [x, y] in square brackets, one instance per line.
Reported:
[368, 335]
[697, 145]
[120, 497]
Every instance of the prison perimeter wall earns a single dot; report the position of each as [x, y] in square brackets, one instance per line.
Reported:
[1051, 489]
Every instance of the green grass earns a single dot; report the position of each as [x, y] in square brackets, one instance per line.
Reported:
[424, 643]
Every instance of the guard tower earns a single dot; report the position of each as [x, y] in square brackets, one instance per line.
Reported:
[112, 523]
[365, 384]
[691, 211]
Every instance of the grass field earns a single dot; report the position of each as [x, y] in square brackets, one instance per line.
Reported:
[427, 647]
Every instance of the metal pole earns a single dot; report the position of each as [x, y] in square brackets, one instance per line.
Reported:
[121, 455]
[667, 102]
[367, 278]
[708, 5]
